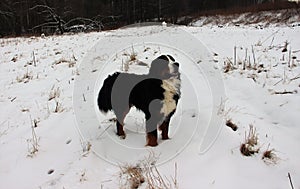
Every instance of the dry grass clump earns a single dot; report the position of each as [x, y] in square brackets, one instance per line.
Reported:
[132, 59]
[269, 156]
[147, 174]
[248, 148]
[25, 78]
[70, 63]
[133, 176]
[133, 56]
[228, 66]
[156, 181]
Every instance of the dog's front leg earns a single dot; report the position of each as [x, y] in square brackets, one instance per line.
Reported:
[152, 138]
[164, 127]
[120, 130]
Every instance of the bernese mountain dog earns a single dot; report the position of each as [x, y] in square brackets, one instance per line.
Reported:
[156, 94]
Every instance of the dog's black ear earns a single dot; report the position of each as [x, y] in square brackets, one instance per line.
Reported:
[158, 66]
[164, 57]
[171, 58]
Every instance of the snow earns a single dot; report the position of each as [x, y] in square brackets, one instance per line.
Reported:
[79, 143]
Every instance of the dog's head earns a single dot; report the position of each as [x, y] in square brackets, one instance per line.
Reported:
[164, 67]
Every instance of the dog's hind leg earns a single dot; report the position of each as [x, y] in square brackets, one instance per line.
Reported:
[151, 130]
[153, 117]
[120, 124]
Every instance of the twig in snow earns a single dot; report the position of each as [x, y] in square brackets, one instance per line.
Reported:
[295, 51]
[34, 140]
[234, 55]
[278, 82]
[272, 42]
[54, 93]
[254, 62]
[289, 175]
[84, 99]
[58, 107]
[100, 135]
[295, 78]
[33, 59]
[175, 178]
[285, 92]
[285, 46]
[289, 62]
[270, 36]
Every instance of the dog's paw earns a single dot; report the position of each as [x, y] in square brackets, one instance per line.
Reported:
[152, 144]
[165, 137]
[122, 136]
[151, 140]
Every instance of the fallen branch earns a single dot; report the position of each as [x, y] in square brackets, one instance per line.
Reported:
[285, 92]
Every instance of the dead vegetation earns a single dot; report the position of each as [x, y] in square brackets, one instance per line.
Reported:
[33, 146]
[248, 148]
[228, 66]
[284, 92]
[147, 174]
[131, 58]
[86, 147]
[269, 156]
[25, 78]
[133, 176]
[54, 93]
[58, 107]
[70, 63]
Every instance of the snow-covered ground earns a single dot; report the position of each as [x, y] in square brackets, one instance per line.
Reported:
[44, 144]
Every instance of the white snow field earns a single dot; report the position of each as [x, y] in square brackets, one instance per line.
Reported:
[53, 136]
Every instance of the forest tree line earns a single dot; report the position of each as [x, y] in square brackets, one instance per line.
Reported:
[49, 16]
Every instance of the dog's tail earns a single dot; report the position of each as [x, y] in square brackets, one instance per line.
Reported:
[104, 97]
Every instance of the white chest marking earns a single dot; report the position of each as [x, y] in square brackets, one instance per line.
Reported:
[171, 87]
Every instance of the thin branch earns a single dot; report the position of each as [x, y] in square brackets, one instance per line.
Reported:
[285, 92]
[289, 175]
[295, 78]
[270, 36]
[47, 24]
[5, 13]
[42, 6]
